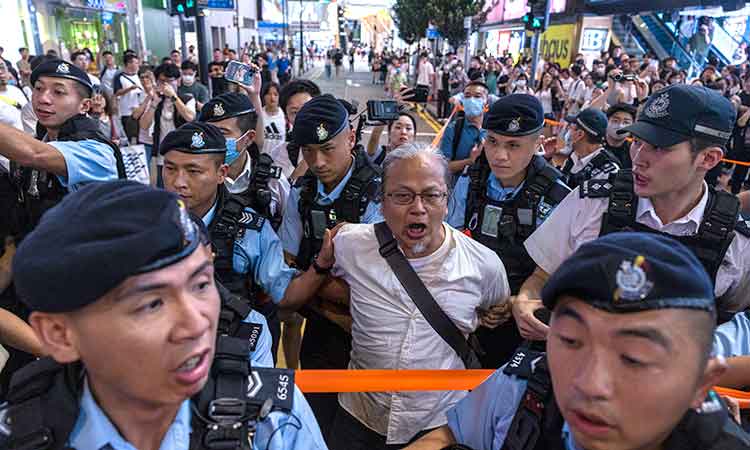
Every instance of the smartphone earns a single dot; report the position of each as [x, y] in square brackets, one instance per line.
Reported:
[240, 73]
[420, 94]
[382, 110]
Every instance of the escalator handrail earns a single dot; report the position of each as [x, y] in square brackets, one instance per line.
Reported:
[676, 44]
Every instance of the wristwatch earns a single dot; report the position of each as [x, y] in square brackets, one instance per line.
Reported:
[320, 270]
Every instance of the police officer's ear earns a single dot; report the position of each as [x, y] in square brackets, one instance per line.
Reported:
[715, 368]
[351, 139]
[85, 105]
[56, 335]
[709, 157]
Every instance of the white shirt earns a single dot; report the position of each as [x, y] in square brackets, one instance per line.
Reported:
[94, 80]
[577, 94]
[579, 163]
[389, 332]
[426, 71]
[279, 187]
[274, 129]
[132, 99]
[281, 158]
[577, 220]
[545, 97]
[168, 112]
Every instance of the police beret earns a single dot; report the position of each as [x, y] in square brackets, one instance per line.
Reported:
[319, 120]
[198, 138]
[630, 272]
[591, 120]
[515, 115]
[97, 237]
[680, 112]
[225, 106]
[61, 69]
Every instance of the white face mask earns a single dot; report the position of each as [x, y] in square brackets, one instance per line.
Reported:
[568, 147]
[612, 131]
[188, 80]
[521, 83]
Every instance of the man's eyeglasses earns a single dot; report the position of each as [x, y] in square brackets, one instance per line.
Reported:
[407, 197]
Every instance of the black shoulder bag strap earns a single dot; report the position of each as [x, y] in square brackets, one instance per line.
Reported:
[425, 302]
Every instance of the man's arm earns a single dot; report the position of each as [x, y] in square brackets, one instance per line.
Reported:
[737, 375]
[744, 202]
[526, 302]
[435, 440]
[18, 334]
[253, 93]
[25, 150]
[188, 114]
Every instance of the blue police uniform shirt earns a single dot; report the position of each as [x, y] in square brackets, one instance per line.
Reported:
[261, 253]
[495, 191]
[733, 338]
[470, 136]
[290, 232]
[86, 161]
[297, 430]
[481, 420]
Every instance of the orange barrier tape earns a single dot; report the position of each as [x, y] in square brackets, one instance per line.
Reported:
[320, 381]
[439, 135]
[732, 161]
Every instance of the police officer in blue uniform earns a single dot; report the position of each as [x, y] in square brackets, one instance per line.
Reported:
[503, 197]
[627, 366]
[134, 357]
[340, 186]
[68, 151]
[248, 252]
[589, 159]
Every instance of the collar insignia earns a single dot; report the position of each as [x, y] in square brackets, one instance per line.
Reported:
[218, 110]
[197, 141]
[658, 108]
[632, 282]
[322, 133]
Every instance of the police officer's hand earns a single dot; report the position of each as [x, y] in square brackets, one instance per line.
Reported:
[476, 151]
[529, 326]
[6, 263]
[326, 256]
[495, 316]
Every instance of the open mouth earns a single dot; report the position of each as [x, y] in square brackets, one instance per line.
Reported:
[416, 231]
[639, 179]
[193, 369]
[589, 424]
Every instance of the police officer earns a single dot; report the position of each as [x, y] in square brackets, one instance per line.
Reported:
[69, 152]
[340, 186]
[291, 99]
[131, 342]
[619, 115]
[252, 175]
[248, 252]
[679, 136]
[589, 160]
[627, 366]
[503, 197]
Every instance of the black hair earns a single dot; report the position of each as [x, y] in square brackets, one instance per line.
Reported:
[76, 54]
[215, 63]
[175, 51]
[129, 57]
[405, 114]
[106, 52]
[166, 59]
[23, 49]
[297, 87]
[169, 71]
[187, 65]
[267, 87]
[477, 83]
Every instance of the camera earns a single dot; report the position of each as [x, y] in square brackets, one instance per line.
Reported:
[382, 110]
[621, 77]
[420, 94]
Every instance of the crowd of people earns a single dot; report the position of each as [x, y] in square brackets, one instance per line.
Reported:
[581, 236]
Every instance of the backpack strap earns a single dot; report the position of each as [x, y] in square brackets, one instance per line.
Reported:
[458, 129]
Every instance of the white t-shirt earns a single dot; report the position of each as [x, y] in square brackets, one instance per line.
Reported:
[132, 99]
[389, 331]
[274, 129]
[426, 71]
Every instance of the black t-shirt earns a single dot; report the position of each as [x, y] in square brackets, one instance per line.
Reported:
[502, 79]
[745, 97]
[623, 154]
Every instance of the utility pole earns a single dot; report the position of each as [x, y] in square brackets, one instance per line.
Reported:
[203, 47]
[183, 39]
[237, 15]
[467, 26]
[301, 43]
[536, 43]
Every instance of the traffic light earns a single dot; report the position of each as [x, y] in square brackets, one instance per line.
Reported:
[187, 7]
[341, 20]
[534, 19]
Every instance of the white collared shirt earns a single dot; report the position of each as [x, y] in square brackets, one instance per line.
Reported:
[280, 157]
[279, 187]
[578, 220]
[579, 163]
[389, 332]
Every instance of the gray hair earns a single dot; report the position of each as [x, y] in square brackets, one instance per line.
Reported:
[415, 150]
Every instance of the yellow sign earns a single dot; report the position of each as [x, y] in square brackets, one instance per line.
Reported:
[556, 44]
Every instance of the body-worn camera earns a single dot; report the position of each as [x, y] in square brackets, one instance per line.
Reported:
[382, 110]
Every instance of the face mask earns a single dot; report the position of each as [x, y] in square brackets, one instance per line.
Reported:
[612, 131]
[473, 107]
[568, 147]
[188, 80]
[232, 151]
[521, 83]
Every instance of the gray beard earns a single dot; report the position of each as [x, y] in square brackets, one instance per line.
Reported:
[419, 248]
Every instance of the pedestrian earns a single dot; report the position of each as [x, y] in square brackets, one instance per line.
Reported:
[338, 61]
[401, 131]
[621, 306]
[273, 117]
[461, 138]
[190, 86]
[108, 72]
[619, 116]
[129, 92]
[329, 63]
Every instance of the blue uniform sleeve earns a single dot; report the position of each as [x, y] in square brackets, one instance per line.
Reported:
[261, 356]
[733, 338]
[482, 419]
[86, 161]
[290, 231]
[446, 143]
[297, 430]
[261, 254]
[373, 213]
[457, 203]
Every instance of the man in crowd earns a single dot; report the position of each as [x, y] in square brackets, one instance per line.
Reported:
[189, 85]
[176, 57]
[129, 94]
[619, 116]
[12, 100]
[291, 99]
[628, 310]
[108, 72]
[24, 66]
[589, 160]
[81, 60]
[460, 140]
[219, 84]
[158, 309]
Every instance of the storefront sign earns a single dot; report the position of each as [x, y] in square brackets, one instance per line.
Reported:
[594, 39]
[557, 44]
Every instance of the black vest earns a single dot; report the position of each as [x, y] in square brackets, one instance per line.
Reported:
[348, 207]
[258, 195]
[44, 400]
[603, 163]
[229, 224]
[537, 424]
[35, 191]
[710, 244]
[518, 217]
[178, 120]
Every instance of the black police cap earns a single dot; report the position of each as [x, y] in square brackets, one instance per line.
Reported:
[226, 106]
[680, 112]
[631, 272]
[97, 237]
[57, 68]
[591, 120]
[515, 115]
[319, 120]
[197, 138]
